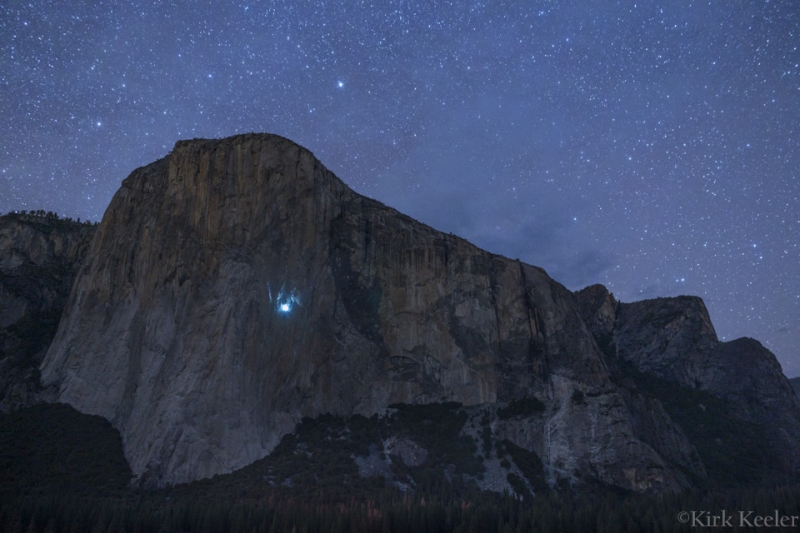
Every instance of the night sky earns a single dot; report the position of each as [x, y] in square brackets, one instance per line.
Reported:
[651, 147]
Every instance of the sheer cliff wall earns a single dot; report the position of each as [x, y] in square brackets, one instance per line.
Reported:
[237, 285]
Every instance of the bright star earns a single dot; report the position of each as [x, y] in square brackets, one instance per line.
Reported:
[341, 84]
[285, 308]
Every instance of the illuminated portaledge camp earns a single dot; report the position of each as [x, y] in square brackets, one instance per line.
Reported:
[285, 301]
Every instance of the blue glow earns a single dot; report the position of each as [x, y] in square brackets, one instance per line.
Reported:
[285, 301]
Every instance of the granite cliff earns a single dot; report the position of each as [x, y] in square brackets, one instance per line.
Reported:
[39, 257]
[236, 286]
[673, 339]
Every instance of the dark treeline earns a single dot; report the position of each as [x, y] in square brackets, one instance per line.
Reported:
[49, 215]
[392, 511]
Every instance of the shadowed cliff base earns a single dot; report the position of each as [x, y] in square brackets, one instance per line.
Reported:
[64, 471]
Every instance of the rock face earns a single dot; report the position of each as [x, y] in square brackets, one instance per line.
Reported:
[796, 384]
[237, 285]
[673, 339]
[39, 258]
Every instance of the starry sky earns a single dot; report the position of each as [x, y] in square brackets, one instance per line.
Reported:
[652, 147]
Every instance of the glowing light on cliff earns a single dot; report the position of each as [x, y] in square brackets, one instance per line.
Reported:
[284, 301]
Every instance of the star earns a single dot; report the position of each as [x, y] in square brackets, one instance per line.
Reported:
[674, 143]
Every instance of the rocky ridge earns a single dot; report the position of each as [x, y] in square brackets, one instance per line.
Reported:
[673, 339]
[39, 259]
